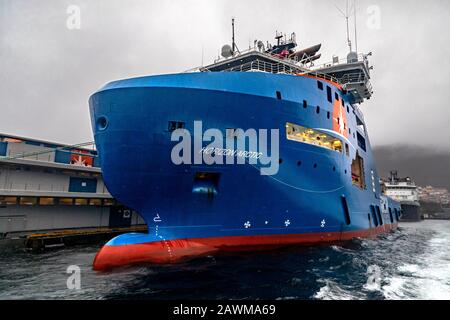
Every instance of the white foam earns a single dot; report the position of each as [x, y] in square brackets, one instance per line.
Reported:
[409, 268]
[395, 289]
[429, 279]
[332, 291]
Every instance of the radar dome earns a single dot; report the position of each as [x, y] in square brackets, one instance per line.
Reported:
[227, 51]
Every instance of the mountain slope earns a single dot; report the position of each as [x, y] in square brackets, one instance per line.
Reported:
[425, 166]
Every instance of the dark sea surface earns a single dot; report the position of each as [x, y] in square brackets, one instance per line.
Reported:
[410, 263]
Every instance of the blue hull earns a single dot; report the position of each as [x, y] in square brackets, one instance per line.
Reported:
[130, 123]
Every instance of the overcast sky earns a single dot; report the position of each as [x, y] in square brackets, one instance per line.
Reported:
[48, 71]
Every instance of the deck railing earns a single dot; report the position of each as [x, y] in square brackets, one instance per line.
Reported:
[360, 58]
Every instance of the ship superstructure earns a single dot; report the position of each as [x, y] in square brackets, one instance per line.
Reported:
[405, 191]
[324, 187]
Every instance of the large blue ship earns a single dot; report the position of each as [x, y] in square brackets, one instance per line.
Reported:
[312, 179]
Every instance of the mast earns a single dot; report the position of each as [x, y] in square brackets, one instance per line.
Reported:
[345, 15]
[356, 37]
[232, 32]
[348, 32]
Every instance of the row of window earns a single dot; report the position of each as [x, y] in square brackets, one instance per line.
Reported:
[306, 135]
[72, 173]
[50, 201]
[359, 123]
[310, 136]
[377, 218]
[330, 96]
[376, 215]
[305, 105]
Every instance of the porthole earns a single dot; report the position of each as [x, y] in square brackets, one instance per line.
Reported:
[320, 85]
[299, 163]
[102, 123]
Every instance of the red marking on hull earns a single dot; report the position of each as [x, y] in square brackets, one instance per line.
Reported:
[340, 119]
[173, 251]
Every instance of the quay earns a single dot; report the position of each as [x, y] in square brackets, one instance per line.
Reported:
[53, 194]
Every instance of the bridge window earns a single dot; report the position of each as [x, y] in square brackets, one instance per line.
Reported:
[336, 96]
[320, 85]
[305, 104]
[360, 125]
[329, 94]
[317, 109]
[314, 137]
[361, 141]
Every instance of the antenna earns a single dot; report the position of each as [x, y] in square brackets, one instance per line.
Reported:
[356, 37]
[345, 15]
[234, 47]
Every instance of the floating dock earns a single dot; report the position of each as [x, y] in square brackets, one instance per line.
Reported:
[53, 194]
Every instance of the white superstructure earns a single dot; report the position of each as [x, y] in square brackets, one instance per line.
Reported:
[402, 190]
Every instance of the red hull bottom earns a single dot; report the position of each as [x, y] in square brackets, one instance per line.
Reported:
[173, 251]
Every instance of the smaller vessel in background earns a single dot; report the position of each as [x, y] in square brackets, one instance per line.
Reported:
[404, 190]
